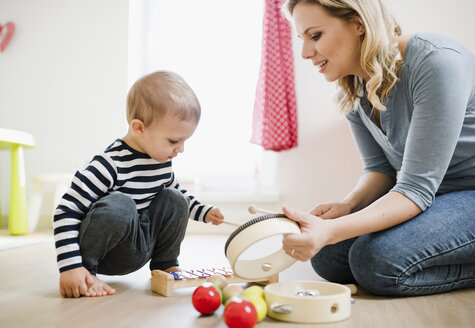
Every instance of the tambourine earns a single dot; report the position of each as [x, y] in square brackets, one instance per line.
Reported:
[308, 301]
[249, 234]
[299, 301]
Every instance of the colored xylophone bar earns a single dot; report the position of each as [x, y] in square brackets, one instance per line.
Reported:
[165, 283]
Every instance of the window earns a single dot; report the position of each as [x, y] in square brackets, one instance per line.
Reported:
[215, 45]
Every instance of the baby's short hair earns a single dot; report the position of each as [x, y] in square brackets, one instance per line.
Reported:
[160, 93]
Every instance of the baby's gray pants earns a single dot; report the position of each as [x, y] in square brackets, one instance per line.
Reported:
[115, 240]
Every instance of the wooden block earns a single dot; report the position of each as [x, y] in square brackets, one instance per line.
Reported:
[162, 282]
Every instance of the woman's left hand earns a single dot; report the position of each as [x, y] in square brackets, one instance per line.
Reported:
[315, 234]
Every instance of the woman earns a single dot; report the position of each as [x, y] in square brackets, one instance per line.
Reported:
[410, 104]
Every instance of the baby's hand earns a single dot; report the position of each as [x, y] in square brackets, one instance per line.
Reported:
[214, 216]
[75, 282]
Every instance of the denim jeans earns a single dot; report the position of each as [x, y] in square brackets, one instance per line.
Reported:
[114, 239]
[432, 253]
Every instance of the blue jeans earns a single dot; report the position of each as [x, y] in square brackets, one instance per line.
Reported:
[114, 239]
[432, 253]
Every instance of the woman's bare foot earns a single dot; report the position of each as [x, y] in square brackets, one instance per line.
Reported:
[99, 288]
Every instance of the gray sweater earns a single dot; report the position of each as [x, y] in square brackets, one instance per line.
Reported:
[428, 129]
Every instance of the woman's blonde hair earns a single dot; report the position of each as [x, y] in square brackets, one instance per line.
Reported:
[379, 53]
[160, 93]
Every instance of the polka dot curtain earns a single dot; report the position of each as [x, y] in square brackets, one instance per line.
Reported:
[275, 107]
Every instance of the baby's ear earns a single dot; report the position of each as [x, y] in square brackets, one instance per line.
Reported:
[137, 127]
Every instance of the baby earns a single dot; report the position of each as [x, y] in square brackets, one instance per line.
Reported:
[126, 207]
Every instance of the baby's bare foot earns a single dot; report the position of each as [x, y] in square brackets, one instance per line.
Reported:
[172, 269]
[99, 288]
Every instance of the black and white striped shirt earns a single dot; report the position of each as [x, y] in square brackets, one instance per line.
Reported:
[119, 168]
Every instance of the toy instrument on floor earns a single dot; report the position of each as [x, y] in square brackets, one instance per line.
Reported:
[295, 301]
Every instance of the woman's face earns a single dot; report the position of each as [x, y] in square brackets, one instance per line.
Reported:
[331, 43]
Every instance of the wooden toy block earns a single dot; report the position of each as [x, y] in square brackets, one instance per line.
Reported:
[164, 283]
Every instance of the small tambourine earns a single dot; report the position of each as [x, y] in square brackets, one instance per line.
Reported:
[248, 235]
[308, 301]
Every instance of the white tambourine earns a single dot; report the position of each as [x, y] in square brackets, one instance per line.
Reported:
[251, 232]
[308, 301]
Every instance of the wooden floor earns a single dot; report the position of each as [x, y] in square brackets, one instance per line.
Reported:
[29, 297]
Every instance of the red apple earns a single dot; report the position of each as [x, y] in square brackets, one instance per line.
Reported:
[240, 313]
[206, 298]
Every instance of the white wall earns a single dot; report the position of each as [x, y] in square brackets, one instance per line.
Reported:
[64, 79]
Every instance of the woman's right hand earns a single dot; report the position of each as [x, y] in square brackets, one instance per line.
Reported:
[315, 233]
[331, 210]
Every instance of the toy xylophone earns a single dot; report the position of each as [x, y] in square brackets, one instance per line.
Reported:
[164, 283]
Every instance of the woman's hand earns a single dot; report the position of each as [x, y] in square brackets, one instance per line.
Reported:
[315, 234]
[331, 211]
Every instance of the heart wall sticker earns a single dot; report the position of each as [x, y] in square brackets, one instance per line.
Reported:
[6, 33]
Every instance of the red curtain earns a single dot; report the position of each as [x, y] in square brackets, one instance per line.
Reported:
[275, 107]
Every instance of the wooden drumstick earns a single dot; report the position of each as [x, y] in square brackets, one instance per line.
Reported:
[232, 223]
[253, 209]
[352, 288]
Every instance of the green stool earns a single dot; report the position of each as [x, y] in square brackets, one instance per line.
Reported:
[15, 141]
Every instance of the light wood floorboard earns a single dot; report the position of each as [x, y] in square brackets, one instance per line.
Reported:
[29, 297]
